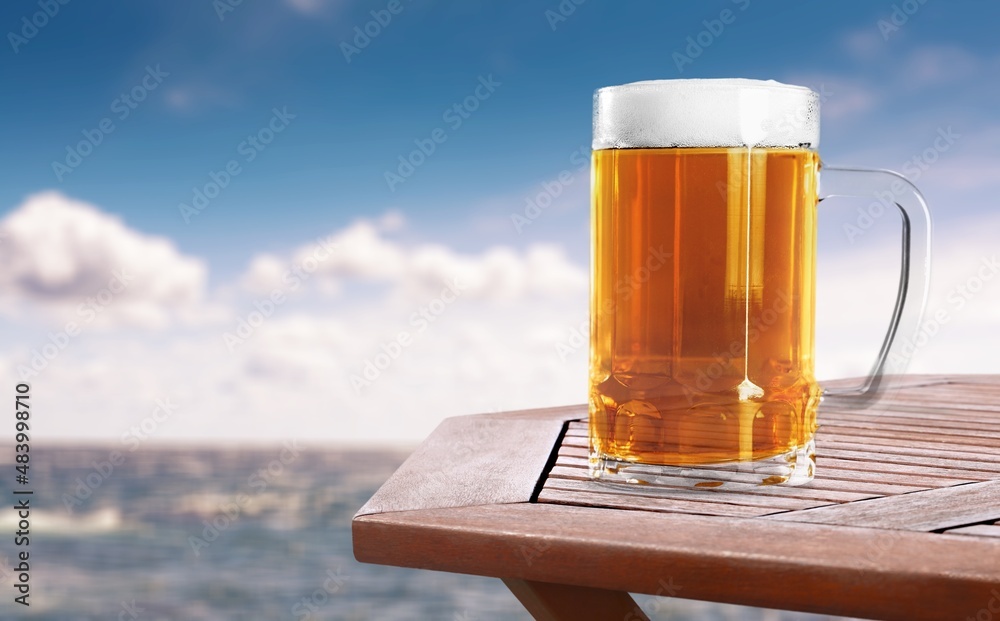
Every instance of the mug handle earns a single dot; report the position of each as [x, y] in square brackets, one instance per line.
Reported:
[889, 189]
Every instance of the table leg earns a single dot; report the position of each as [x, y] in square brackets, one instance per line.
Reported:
[558, 602]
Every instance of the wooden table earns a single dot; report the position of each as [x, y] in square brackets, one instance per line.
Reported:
[901, 522]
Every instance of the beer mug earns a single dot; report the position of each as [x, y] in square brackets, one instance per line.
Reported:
[705, 197]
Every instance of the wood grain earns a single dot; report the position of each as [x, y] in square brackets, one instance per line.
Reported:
[901, 522]
[928, 510]
[473, 460]
[863, 456]
[860, 572]
[562, 602]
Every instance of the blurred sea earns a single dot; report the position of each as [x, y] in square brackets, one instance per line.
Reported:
[137, 546]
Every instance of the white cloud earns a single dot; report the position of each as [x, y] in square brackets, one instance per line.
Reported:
[60, 253]
[971, 165]
[361, 253]
[293, 376]
[492, 348]
[890, 79]
[848, 335]
[938, 65]
[848, 99]
[863, 44]
[391, 221]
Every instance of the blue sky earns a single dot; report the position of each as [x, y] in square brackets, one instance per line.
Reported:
[354, 119]
[891, 89]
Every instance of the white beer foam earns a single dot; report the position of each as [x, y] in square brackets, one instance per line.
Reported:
[705, 113]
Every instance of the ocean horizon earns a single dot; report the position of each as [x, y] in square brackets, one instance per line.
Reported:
[167, 533]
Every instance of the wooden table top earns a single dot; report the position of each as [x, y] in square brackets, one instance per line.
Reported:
[901, 522]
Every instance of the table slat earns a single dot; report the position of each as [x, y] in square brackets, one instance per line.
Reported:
[928, 510]
[901, 522]
[839, 570]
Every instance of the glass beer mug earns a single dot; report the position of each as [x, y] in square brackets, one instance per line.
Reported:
[705, 196]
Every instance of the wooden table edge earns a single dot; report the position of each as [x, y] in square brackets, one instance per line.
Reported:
[795, 566]
[502, 533]
[428, 477]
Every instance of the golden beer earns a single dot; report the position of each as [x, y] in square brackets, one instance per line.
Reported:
[702, 307]
[705, 196]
